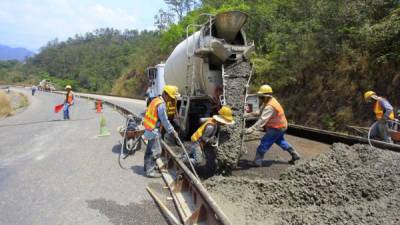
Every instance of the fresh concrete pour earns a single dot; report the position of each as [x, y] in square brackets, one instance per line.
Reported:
[347, 185]
[229, 150]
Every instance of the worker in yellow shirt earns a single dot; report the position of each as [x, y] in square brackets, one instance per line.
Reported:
[207, 132]
[155, 118]
[384, 115]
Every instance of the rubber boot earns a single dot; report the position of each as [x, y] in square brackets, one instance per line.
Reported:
[258, 159]
[295, 155]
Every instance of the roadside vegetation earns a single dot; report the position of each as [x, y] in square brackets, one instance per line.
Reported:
[22, 102]
[319, 55]
[5, 105]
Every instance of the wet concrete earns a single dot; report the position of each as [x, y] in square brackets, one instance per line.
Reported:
[346, 185]
[229, 150]
[276, 160]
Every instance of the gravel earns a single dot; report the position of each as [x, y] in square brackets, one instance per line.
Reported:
[347, 185]
[229, 150]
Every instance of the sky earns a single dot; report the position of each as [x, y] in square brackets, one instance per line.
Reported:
[32, 23]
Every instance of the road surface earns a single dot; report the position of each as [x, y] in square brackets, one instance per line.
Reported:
[60, 172]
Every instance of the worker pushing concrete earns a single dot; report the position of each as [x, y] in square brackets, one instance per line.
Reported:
[272, 119]
[384, 115]
[207, 133]
[69, 101]
[155, 118]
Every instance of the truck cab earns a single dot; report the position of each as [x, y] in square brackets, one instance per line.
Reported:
[155, 75]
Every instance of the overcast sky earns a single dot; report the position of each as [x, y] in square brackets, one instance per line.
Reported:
[32, 23]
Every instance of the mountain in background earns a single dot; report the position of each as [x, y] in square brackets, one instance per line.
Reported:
[8, 53]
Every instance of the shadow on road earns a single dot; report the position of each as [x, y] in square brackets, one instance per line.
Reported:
[116, 148]
[138, 170]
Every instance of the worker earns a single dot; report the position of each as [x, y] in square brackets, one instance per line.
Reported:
[69, 101]
[384, 115]
[273, 120]
[207, 133]
[33, 90]
[171, 108]
[149, 95]
[155, 118]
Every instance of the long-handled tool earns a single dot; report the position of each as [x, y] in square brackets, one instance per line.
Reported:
[164, 208]
[187, 156]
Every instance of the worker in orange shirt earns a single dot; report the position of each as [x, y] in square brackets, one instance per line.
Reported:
[206, 133]
[69, 101]
[272, 119]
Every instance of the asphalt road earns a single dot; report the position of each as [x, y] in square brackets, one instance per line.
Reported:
[136, 106]
[59, 172]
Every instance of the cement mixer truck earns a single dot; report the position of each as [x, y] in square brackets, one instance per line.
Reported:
[198, 67]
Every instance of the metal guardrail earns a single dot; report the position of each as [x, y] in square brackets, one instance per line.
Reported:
[330, 137]
[194, 204]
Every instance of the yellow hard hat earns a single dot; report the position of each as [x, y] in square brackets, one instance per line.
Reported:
[224, 116]
[265, 90]
[68, 87]
[368, 94]
[172, 91]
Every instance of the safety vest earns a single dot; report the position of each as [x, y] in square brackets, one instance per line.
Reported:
[151, 116]
[70, 97]
[196, 136]
[278, 120]
[379, 111]
[171, 108]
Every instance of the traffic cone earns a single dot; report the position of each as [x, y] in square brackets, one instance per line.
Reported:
[103, 128]
[98, 106]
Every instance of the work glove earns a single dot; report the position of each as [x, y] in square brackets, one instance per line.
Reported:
[249, 130]
[213, 141]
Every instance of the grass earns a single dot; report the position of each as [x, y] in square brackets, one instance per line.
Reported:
[5, 105]
[23, 101]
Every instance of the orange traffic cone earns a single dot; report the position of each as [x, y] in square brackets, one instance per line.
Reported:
[98, 106]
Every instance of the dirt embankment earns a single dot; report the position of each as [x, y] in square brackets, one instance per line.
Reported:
[11, 102]
[347, 185]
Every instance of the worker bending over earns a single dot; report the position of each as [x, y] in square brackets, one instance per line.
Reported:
[272, 119]
[155, 118]
[69, 101]
[207, 132]
[384, 114]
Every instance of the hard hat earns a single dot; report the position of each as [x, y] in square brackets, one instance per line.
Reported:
[224, 116]
[172, 91]
[368, 95]
[265, 90]
[68, 87]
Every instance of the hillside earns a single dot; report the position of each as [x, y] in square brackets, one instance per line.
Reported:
[8, 53]
[93, 62]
